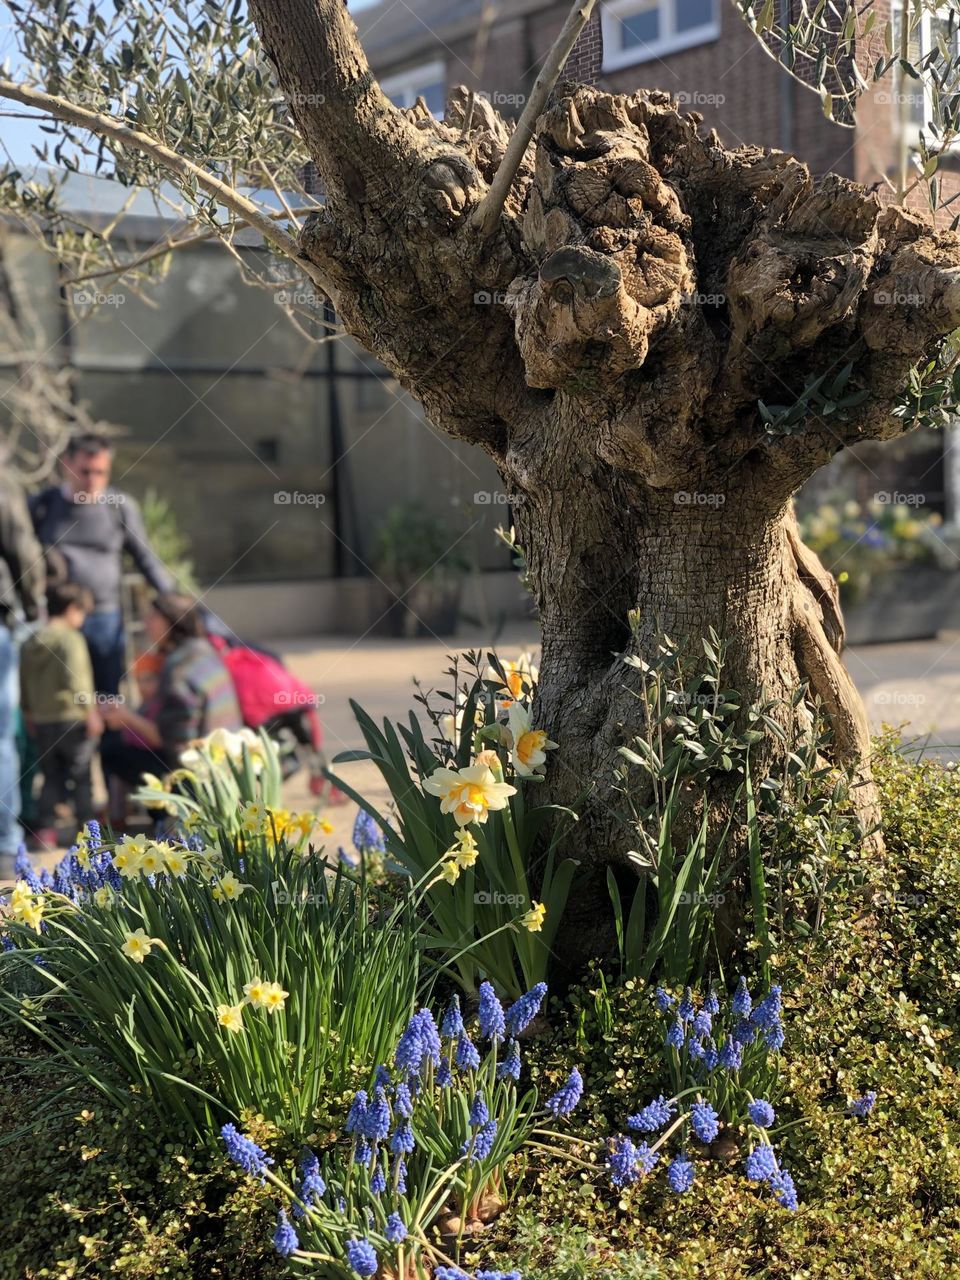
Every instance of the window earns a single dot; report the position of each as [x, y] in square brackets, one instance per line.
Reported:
[635, 30]
[934, 47]
[428, 81]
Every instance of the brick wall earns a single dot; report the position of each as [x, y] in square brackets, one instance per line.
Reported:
[586, 59]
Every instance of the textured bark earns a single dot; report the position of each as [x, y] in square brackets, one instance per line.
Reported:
[656, 288]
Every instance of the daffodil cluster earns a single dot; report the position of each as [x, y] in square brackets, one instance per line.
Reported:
[435, 1128]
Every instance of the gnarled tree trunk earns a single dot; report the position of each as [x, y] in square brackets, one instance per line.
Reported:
[656, 290]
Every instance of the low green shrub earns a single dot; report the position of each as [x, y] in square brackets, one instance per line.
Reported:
[90, 1192]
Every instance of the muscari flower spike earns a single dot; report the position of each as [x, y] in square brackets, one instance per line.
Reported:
[362, 1257]
[761, 1163]
[490, 1014]
[357, 1115]
[376, 1121]
[479, 1114]
[704, 1121]
[686, 1009]
[481, 1144]
[396, 1231]
[675, 1036]
[680, 1174]
[378, 1183]
[741, 1004]
[285, 1239]
[402, 1101]
[467, 1057]
[665, 1001]
[403, 1142]
[566, 1097]
[245, 1152]
[510, 1066]
[367, 836]
[452, 1025]
[653, 1116]
[523, 1011]
[861, 1107]
[731, 1055]
[761, 1113]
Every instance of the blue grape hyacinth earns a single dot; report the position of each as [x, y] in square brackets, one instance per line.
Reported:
[245, 1152]
[362, 1257]
[567, 1097]
[761, 1113]
[680, 1174]
[522, 1013]
[704, 1121]
[490, 1014]
[285, 1239]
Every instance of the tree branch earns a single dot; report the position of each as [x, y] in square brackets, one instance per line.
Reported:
[487, 213]
[183, 169]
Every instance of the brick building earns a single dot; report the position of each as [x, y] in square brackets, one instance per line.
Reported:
[701, 51]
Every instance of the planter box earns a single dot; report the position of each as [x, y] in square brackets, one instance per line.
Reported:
[427, 609]
[912, 603]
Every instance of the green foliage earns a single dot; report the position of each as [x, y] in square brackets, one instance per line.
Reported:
[562, 1251]
[344, 954]
[168, 540]
[89, 1192]
[871, 1002]
[475, 924]
[413, 546]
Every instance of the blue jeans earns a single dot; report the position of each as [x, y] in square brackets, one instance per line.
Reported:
[107, 645]
[11, 833]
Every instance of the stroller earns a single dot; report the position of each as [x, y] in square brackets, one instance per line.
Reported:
[273, 699]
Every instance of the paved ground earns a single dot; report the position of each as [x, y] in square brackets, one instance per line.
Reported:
[917, 684]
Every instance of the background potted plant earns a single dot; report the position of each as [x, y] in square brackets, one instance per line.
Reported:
[885, 559]
[416, 559]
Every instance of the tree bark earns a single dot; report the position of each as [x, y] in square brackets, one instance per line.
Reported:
[614, 345]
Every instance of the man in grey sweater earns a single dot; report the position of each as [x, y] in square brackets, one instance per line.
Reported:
[92, 524]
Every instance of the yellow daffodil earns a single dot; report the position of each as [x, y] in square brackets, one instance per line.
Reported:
[469, 794]
[302, 824]
[137, 946]
[103, 897]
[274, 997]
[254, 819]
[21, 896]
[82, 849]
[521, 678]
[153, 783]
[231, 1017]
[326, 826]
[533, 919]
[255, 990]
[175, 863]
[528, 752]
[450, 871]
[128, 856]
[228, 888]
[153, 860]
[32, 914]
[465, 851]
[193, 821]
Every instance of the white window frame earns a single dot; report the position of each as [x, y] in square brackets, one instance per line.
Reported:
[408, 85]
[911, 129]
[671, 41]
